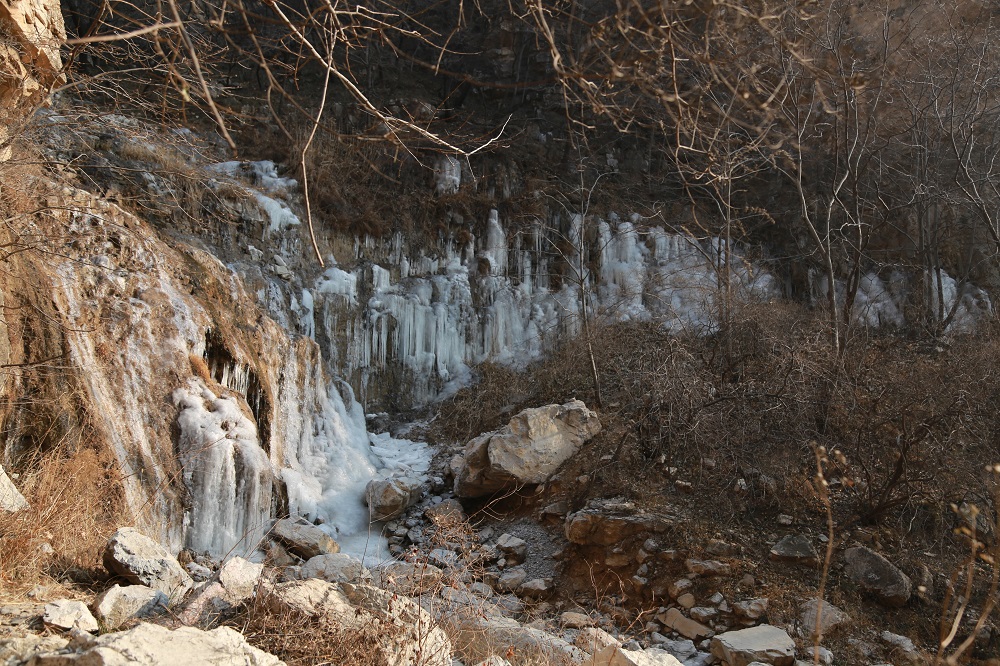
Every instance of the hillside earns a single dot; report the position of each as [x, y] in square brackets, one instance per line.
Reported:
[433, 334]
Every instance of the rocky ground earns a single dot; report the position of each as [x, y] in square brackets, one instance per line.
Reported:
[470, 584]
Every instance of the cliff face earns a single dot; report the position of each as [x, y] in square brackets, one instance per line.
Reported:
[31, 33]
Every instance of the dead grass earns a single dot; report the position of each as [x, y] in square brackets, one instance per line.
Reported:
[76, 502]
[301, 639]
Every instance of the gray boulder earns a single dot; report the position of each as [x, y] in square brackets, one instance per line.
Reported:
[303, 538]
[118, 605]
[234, 582]
[387, 498]
[794, 549]
[616, 656]
[153, 645]
[878, 576]
[336, 568]
[831, 618]
[66, 614]
[528, 450]
[763, 643]
[141, 561]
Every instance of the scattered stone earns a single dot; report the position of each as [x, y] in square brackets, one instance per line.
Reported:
[903, 649]
[686, 627]
[703, 614]
[573, 620]
[492, 660]
[515, 550]
[592, 640]
[717, 599]
[236, 581]
[336, 568]
[708, 567]
[538, 588]
[528, 450]
[686, 600]
[448, 512]
[66, 614]
[141, 561]
[17, 650]
[153, 645]
[197, 571]
[763, 643]
[303, 538]
[785, 519]
[617, 558]
[752, 609]
[877, 576]
[512, 579]
[683, 650]
[746, 582]
[794, 549]
[679, 587]
[720, 548]
[11, 499]
[117, 605]
[832, 618]
[616, 656]
[388, 498]
[444, 558]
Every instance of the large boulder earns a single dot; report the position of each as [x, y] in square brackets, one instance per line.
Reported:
[878, 577]
[528, 450]
[764, 643]
[117, 605]
[11, 500]
[234, 582]
[303, 538]
[153, 645]
[141, 561]
[387, 498]
[407, 633]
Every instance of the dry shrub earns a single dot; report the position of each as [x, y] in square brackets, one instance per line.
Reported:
[298, 638]
[76, 502]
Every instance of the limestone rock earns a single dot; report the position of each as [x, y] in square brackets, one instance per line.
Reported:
[902, 649]
[67, 614]
[611, 521]
[592, 640]
[11, 500]
[141, 561]
[794, 549]
[686, 627]
[303, 538]
[236, 581]
[515, 550]
[336, 568]
[537, 588]
[708, 567]
[529, 641]
[616, 656]
[877, 576]
[573, 620]
[117, 605]
[416, 639]
[387, 498]
[511, 579]
[751, 609]
[763, 643]
[408, 577]
[447, 512]
[528, 450]
[831, 619]
[153, 645]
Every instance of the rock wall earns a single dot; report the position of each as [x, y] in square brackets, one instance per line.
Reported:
[31, 32]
